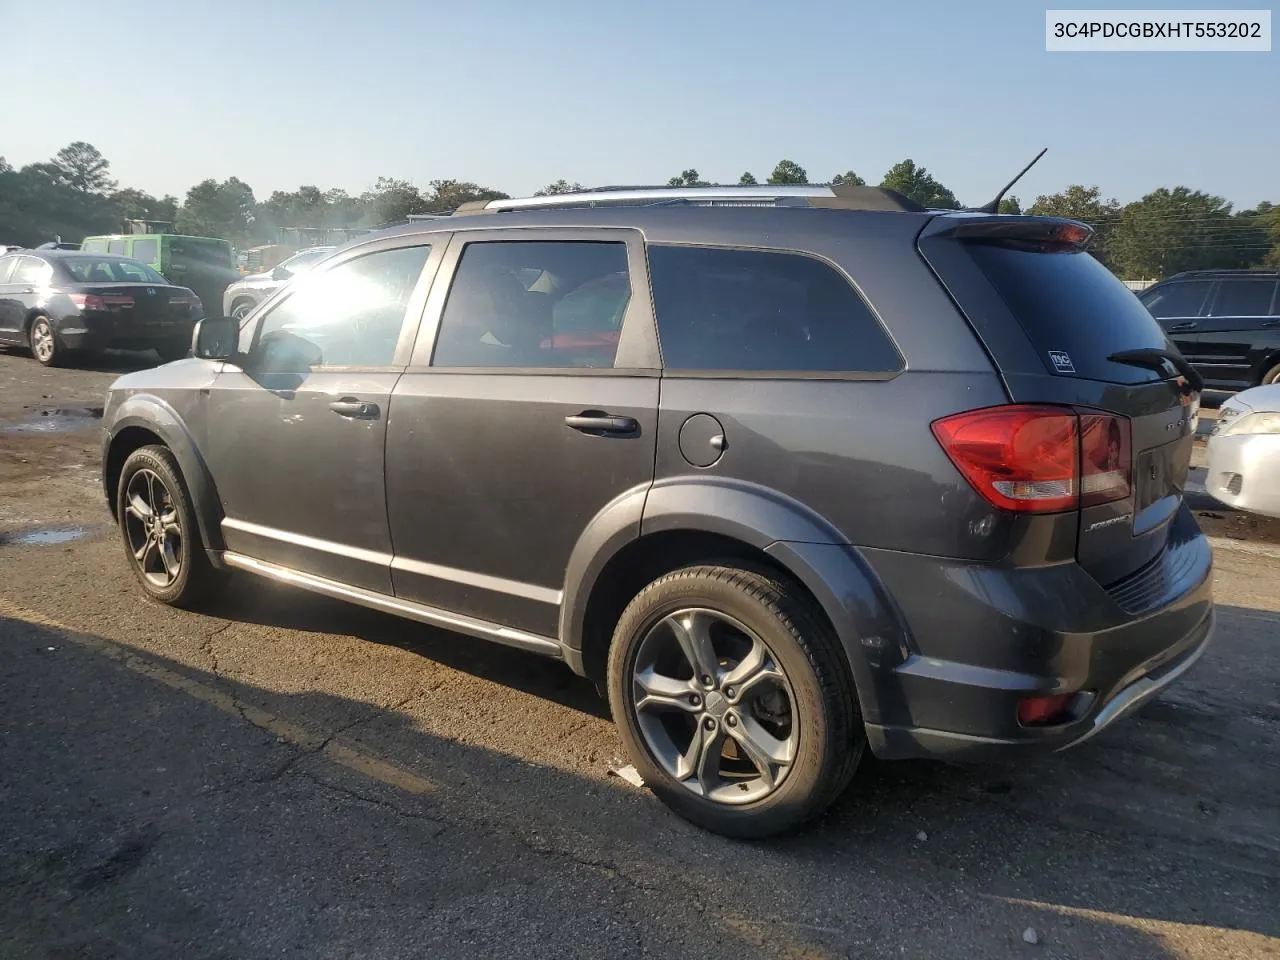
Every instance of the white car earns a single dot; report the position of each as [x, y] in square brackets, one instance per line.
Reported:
[1243, 457]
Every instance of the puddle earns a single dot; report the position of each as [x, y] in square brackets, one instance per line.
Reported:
[55, 420]
[42, 538]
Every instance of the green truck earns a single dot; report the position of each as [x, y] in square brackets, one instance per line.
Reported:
[203, 264]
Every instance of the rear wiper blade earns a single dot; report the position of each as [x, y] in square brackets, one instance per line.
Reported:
[1154, 358]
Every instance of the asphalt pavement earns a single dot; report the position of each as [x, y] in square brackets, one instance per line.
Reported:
[281, 775]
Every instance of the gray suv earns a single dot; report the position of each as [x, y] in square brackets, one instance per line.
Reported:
[790, 472]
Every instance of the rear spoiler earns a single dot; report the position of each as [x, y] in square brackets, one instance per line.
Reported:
[1153, 358]
[1041, 233]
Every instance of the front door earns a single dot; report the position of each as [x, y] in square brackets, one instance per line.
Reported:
[536, 409]
[296, 433]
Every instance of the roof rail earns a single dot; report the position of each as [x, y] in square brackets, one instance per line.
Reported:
[841, 196]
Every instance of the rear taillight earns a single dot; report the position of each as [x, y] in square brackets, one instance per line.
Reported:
[1039, 459]
[88, 301]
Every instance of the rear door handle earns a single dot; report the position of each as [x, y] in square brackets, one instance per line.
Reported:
[592, 421]
[355, 409]
[1186, 325]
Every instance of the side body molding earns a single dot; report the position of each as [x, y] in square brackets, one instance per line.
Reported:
[152, 413]
[869, 627]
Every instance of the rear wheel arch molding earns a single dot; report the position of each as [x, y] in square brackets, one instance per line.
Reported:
[143, 412]
[692, 520]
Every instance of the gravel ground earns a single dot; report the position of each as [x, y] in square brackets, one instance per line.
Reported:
[281, 775]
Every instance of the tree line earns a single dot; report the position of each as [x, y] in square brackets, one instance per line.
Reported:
[73, 195]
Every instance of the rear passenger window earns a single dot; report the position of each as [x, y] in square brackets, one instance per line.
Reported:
[6, 267]
[723, 309]
[1177, 299]
[94, 246]
[117, 246]
[32, 271]
[535, 304]
[1244, 298]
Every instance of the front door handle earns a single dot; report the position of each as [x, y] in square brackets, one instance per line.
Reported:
[355, 409]
[593, 421]
[1185, 325]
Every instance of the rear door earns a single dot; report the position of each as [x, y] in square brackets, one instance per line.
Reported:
[1053, 317]
[1240, 329]
[10, 308]
[529, 406]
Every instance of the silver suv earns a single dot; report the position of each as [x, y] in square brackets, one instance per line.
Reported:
[790, 472]
[243, 295]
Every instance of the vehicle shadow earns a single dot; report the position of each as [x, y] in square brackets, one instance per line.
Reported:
[892, 872]
[1147, 837]
[254, 600]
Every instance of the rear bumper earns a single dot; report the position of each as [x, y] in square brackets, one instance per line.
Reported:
[981, 639]
[1244, 472]
[91, 333]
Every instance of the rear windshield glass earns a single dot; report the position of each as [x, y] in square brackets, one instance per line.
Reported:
[110, 270]
[1074, 311]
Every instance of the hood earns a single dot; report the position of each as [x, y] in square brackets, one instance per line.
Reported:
[1256, 398]
[187, 374]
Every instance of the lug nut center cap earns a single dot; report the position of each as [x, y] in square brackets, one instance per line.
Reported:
[716, 704]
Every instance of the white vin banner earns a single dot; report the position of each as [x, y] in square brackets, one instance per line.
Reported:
[1156, 31]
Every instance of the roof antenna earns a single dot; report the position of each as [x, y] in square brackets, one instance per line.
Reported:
[993, 206]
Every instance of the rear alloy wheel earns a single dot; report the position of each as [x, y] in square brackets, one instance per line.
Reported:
[44, 342]
[729, 692]
[159, 530]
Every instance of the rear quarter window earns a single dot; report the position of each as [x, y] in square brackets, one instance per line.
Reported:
[721, 309]
[1073, 310]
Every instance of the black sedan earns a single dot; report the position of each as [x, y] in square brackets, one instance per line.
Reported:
[58, 302]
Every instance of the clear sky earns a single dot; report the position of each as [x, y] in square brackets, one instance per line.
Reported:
[516, 94]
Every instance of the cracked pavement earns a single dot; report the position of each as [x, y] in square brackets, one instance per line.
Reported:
[283, 775]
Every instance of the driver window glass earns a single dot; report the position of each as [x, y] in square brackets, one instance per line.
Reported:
[350, 315]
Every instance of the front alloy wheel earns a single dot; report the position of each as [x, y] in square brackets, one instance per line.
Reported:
[713, 706]
[160, 532]
[153, 529]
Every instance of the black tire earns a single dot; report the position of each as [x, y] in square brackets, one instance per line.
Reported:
[1271, 376]
[177, 350]
[42, 341]
[240, 309]
[831, 735]
[196, 578]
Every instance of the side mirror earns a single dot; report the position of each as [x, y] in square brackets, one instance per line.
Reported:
[281, 273]
[216, 338]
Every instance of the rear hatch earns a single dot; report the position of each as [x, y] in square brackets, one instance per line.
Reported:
[1064, 331]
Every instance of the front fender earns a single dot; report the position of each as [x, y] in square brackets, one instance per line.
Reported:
[149, 412]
